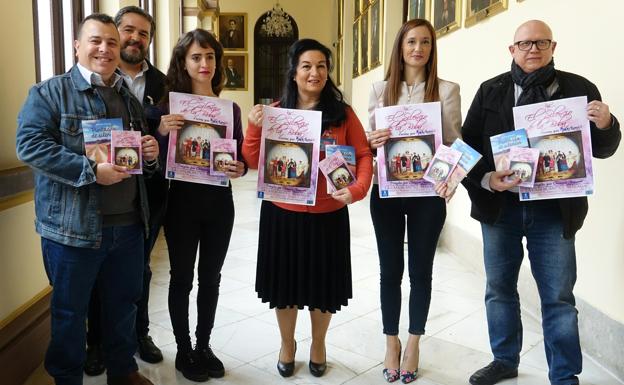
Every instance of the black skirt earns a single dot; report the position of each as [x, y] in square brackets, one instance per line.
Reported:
[304, 259]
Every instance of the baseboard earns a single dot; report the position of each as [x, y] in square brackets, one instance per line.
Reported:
[24, 338]
[602, 338]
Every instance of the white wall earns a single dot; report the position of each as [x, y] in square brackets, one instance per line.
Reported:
[589, 43]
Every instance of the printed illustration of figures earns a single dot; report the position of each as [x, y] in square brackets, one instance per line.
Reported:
[221, 160]
[193, 145]
[561, 156]
[522, 170]
[439, 170]
[288, 164]
[127, 157]
[408, 157]
[341, 177]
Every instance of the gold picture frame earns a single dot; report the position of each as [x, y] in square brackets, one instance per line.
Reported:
[446, 16]
[477, 10]
[338, 64]
[418, 9]
[356, 48]
[376, 35]
[232, 31]
[236, 78]
[364, 42]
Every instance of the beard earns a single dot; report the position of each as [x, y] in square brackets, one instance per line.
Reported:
[133, 58]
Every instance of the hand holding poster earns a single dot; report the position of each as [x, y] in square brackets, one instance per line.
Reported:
[289, 155]
[337, 172]
[415, 133]
[523, 162]
[206, 118]
[560, 130]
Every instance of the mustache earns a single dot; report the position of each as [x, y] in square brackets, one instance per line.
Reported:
[133, 42]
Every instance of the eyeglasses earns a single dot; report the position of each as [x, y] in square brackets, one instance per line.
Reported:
[526, 45]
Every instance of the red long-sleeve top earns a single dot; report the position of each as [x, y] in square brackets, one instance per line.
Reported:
[350, 133]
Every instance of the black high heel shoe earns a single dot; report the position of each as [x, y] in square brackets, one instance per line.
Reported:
[286, 369]
[318, 370]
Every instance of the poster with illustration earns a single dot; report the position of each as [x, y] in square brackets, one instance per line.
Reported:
[289, 155]
[523, 162]
[559, 129]
[97, 138]
[442, 164]
[415, 133]
[470, 157]
[205, 118]
[222, 153]
[337, 172]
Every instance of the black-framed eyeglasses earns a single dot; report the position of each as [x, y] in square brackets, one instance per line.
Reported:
[526, 45]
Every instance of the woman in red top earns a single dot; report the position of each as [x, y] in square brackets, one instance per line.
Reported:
[304, 251]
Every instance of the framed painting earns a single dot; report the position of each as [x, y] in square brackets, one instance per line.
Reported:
[232, 31]
[235, 68]
[446, 16]
[364, 47]
[477, 10]
[357, 8]
[376, 26]
[338, 63]
[417, 9]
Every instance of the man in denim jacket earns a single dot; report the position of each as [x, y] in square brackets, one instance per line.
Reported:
[92, 217]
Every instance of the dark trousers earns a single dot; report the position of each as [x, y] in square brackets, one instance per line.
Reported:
[94, 320]
[196, 215]
[116, 266]
[425, 218]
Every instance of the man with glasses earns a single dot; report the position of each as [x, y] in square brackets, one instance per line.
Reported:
[548, 225]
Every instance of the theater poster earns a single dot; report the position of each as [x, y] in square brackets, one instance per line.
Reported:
[205, 118]
[415, 134]
[560, 130]
[289, 155]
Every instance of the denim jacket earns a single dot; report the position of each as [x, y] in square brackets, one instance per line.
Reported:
[50, 140]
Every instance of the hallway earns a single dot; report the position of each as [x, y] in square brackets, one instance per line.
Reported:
[246, 337]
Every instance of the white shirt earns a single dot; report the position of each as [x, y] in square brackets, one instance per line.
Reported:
[136, 85]
[95, 79]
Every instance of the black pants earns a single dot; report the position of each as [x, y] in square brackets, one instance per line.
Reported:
[425, 219]
[196, 215]
[94, 320]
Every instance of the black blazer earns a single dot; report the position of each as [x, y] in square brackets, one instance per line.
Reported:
[491, 114]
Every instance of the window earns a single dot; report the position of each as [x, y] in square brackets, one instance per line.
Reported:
[55, 25]
[149, 6]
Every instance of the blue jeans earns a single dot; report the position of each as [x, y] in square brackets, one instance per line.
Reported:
[117, 266]
[553, 265]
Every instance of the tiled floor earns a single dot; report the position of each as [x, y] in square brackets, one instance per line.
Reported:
[246, 337]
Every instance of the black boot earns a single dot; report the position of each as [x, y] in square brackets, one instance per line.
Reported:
[94, 365]
[148, 351]
[210, 362]
[187, 362]
[493, 373]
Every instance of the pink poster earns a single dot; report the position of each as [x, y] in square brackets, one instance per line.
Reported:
[560, 130]
[206, 118]
[415, 133]
[289, 155]
[126, 150]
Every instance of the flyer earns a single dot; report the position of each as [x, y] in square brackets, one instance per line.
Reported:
[126, 150]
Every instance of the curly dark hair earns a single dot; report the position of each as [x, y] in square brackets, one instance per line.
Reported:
[331, 102]
[178, 80]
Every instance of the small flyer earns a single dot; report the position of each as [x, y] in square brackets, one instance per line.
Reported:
[442, 164]
[289, 155]
[523, 162]
[126, 150]
[560, 130]
[97, 138]
[348, 153]
[415, 133]
[222, 152]
[470, 157]
[205, 118]
[501, 144]
[337, 172]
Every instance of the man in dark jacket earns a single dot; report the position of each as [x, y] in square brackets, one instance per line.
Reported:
[548, 225]
[136, 29]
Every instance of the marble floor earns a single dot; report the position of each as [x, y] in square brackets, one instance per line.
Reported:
[246, 336]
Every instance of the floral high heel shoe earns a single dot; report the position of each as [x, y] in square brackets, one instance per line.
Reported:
[407, 376]
[391, 375]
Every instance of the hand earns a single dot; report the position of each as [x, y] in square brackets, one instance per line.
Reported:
[498, 180]
[444, 192]
[170, 122]
[108, 174]
[598, 112]
[150, 148]
[343, 195]
[257, 113]
[377, 138]
[235, 169]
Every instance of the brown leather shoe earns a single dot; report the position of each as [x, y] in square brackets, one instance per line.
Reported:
[134, 378]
